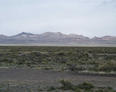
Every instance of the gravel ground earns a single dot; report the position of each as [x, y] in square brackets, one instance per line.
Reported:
[52, 77]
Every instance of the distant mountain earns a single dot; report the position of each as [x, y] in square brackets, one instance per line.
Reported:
[23, 34]
[52, 38]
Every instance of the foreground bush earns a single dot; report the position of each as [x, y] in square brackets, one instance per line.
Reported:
[84, 87]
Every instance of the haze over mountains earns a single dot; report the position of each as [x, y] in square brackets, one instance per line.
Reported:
[52, 38]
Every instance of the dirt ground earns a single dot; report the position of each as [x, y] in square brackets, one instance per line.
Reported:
[52, 77]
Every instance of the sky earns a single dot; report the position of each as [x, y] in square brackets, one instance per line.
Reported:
[84, 17]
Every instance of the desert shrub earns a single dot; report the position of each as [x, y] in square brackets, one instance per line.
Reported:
[86, 86]
[99, 90]
[105, 90]
[61, 53]
[51, 88]
[108, 89]
[101, 59]
[72, 67]
[66, 85]
[108, 66]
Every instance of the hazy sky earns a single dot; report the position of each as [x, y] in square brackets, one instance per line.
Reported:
[86, 17]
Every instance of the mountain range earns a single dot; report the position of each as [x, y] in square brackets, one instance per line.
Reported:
[56, 38]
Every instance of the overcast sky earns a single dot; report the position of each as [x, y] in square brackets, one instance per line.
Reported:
[85, 17]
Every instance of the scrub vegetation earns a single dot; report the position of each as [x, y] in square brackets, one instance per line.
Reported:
[60, 58]
[70, 63]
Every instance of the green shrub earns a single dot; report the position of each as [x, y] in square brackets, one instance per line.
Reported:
[51, 88]
[66, 85]
[86, 86]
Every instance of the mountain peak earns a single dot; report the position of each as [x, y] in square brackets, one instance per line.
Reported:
[25, 33]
